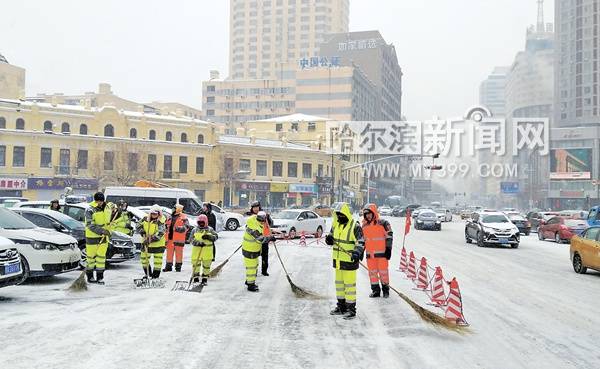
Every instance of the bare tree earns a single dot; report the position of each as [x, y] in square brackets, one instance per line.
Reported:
[122, 166]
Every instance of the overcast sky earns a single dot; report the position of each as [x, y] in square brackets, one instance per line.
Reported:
[162, 50]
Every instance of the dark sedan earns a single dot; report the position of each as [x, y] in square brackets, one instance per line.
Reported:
[521, 222]
[120, 247]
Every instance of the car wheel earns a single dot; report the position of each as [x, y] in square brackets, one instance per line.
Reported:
[319, 232]
[25, 268]
[480, 242]
[527, 233]
[232, 224]
[292, 233]
[578, 265]
[557, 238]
[540, 235]
[515, 246]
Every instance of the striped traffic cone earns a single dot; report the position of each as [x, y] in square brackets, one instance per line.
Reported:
[423, 275]
[438, 294]
[411, 271]
[302, 239]
[454, 311]
[403, 261]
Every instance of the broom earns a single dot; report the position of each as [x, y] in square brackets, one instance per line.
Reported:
[298, 291]
[80, 284]
[426, 315]
[215, 272]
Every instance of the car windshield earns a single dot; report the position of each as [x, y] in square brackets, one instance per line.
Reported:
[494, 219]
[441, 211]
[427, 213]
[67, 221]
[516, 217]
[285, 215]
[10, 220]
[547, 216]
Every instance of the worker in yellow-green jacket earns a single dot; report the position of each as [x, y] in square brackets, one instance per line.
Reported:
[252, 245]
[203, 249]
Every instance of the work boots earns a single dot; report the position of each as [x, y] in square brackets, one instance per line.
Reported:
[178, 267]
[156, 274]
[252, 287]
[147, 271]
[386, 291]
[90, 276]
[340, 309]
[100, 276]
[168, 267]
[204, 281]
[351, 313]
[196, 278]
[376, 290]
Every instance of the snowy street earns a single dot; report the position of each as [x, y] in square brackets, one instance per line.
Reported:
[526, 307]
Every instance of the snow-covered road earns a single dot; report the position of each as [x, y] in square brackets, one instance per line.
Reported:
[526, 307]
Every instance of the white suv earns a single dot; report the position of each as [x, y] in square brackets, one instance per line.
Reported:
[10, 263]
[44, 252]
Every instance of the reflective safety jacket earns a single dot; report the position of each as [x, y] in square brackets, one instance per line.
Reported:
[177, 228]
[347, 239]
[97, 220]
[253, 236]
[154, 230]
[123, 223]
[377, 233]
[207, 244]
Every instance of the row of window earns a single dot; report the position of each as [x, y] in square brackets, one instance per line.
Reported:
[276, 168]
[131, 161]
[109, 130]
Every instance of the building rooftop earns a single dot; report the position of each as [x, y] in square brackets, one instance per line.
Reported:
[297, 117]
[3, 59]
[244, 140]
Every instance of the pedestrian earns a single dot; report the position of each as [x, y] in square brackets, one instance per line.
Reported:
[177, 227]
[212, 219]
[152, 229]
[255, 208]
[97, 235]
[54, 205]
[122, 219]
[220, 203]
[251, 246]
[203, 249]
[378, 236]
[348, 248]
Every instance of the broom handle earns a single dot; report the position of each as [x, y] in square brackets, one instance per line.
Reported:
[281, 261]
[233, 253]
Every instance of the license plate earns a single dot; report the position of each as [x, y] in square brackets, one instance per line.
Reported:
[428, 223]
[503, 240]
[13, 268]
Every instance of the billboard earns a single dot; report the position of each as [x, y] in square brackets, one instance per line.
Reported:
[571, 163]
[509, 187]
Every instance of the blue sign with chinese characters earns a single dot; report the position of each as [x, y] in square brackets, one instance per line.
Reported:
[509, 187]
[51, 183]
[320, 62]
[303, 188]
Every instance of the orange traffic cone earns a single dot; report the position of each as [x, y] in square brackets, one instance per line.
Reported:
[438, 295]
[302, 239]
[454, 311]
[403, 261]
[411, 271]
[423, 275]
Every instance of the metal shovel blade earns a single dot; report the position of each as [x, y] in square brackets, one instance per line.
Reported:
[180, 286]
[149, 283]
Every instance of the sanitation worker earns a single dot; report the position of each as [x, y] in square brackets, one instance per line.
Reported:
[255, 207]
[346, 237]
[97, 236]
[252, 243]
[152, 229]
[203, 249]
[122, 220]
[378, 237]
[177, 228]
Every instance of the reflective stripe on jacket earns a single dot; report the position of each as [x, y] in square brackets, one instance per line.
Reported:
[155, 230]
[251, 246]
[96, 220]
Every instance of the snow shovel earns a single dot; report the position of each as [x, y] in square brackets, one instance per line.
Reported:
[188, 285]
[146, 282]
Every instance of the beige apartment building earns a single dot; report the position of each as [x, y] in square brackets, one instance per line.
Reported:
[267, 33]
[12, 80]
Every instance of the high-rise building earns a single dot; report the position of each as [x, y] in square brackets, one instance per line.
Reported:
[378, 61]
[266, 33]
[491, 91]
[12, 80]
[576, 95]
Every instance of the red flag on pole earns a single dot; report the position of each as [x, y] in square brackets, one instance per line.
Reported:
[407, 223]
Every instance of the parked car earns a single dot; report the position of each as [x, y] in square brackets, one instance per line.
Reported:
[491, 228]
[521, 222]
[75, 211]
[9, 203]
[585, 250]
[11, 272]
[397, 210]
[11, 200]
[561, 229]
[575, 214]
[415, 213]
[444, 214]
[44, 252]
[538, 217]
[120, 246]
[293, 222]
[428, 219]
[385, 210]
[465, 214]
[231, 221]
[593, 217]
[322, 210]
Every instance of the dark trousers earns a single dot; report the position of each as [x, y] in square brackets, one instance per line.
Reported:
[264, 254]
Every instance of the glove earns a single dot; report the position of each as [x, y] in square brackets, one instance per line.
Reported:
[261, 239]
[272, 238]
[329, 239]
[388, 253]
[106, 232]
[355, 256]
[207, 237]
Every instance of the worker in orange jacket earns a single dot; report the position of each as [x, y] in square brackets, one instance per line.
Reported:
[378, 236]
[177, 228]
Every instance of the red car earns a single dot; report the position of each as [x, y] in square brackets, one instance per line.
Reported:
[561, 228]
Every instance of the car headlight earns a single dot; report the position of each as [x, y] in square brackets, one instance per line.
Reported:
[419, 221]
[39, 245]
[438, 221]
[487, 229]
